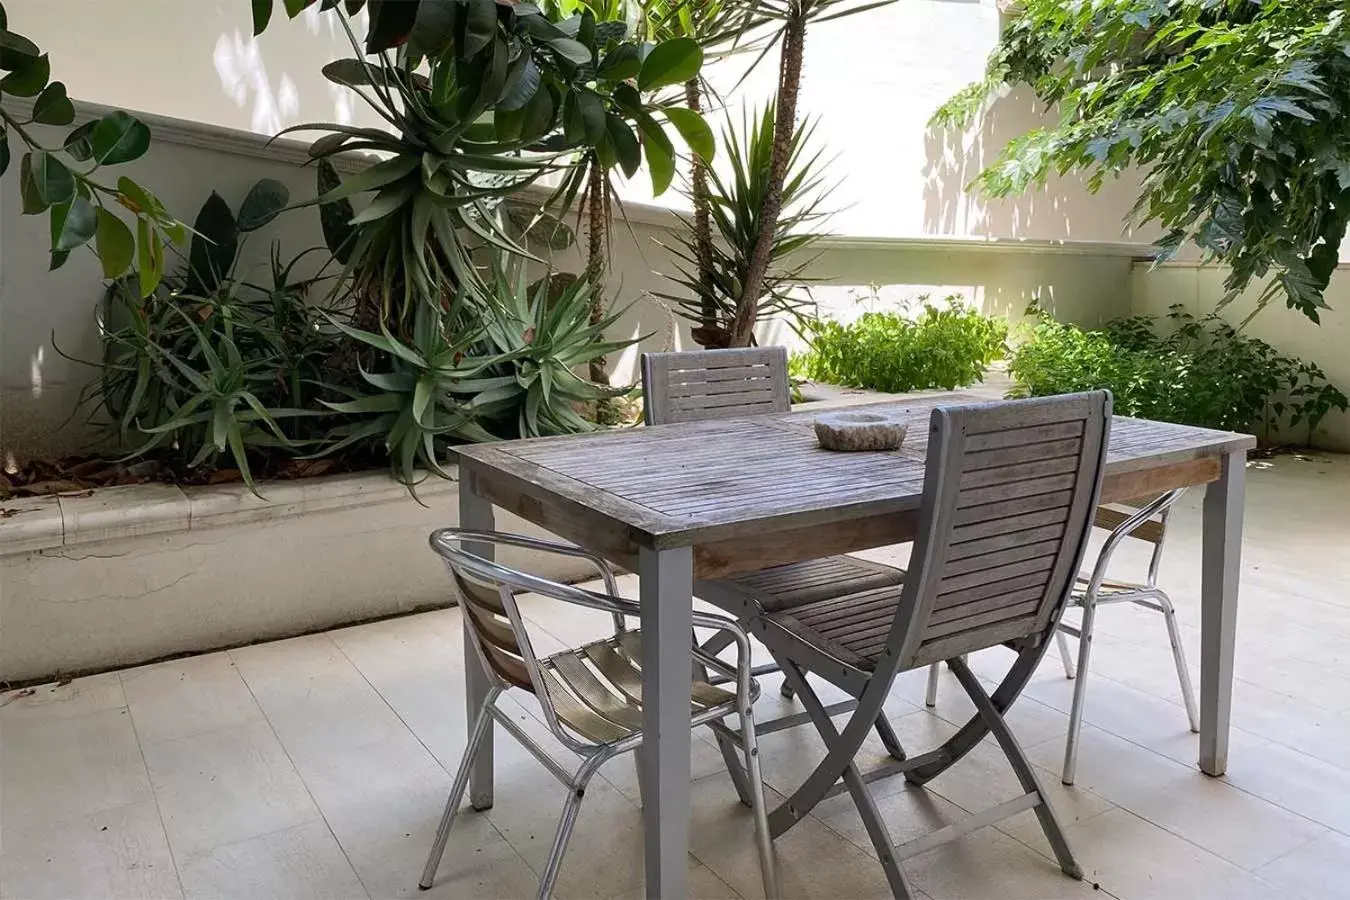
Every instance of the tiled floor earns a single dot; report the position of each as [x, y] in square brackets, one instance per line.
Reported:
[316, 767]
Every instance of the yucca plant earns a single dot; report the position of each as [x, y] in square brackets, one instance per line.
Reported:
[736, 202]
[545, 335]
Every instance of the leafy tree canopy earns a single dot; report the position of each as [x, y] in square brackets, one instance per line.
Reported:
[1237, 112]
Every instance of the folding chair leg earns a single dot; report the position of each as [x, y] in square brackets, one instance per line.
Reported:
[889, 739]
[878, 832]
[930, 695]
[1179, 656]
[1065, 657]
[1079, 695]
[1026, 774]
[461, 782]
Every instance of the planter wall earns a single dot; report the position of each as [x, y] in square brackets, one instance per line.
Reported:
[129, 574]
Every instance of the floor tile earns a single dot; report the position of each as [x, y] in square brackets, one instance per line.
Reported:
[94, 693]
[117, 853]
[62, 769]
[187, 696]
[1316, 870]
[299, 863]
[1132, 859]
[223, 787]
[1241, 828]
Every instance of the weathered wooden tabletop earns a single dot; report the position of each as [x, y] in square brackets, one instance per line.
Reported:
[753, 492]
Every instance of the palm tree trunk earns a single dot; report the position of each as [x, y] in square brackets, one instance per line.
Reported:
[597, 236]
[699, 196]
[785, 120]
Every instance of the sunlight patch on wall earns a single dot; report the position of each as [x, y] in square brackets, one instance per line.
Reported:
[35, 363]
[240, 66]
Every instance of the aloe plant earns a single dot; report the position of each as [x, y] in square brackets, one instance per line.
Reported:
[544, 334]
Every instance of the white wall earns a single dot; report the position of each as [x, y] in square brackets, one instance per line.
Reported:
[872, 80]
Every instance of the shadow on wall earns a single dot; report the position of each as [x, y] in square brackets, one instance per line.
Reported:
[1064, 210]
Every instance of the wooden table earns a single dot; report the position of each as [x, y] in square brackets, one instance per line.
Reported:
[709, 499]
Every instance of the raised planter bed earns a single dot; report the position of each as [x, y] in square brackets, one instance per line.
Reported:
[124, 575]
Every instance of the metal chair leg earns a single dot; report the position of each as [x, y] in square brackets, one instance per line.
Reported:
[763, 837]
[930, 695]
[1079, 694]
[1065, 657]
[571, 808]
[1179, 656]
[461, 782]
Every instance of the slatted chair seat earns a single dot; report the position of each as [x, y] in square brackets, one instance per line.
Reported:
[596, 689]
[788, 587]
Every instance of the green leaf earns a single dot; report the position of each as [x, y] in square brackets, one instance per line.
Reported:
[118, 138]
[28, 187]
[214, 246]
[16, 51]
[4, 152]
[391, 22]
[58, 259]
[521, 84]
[53, 107]
[53, 182]
[335, 216]
[265, 200]
[352, 73]
[295, 7]
[480, 26]
[262, 14]
[139, 200]
[434, 28]
[377, 176]
[694, 130]
[149, 256]
[592, 111]
[114, 244]
[625, 143]
[72, 224]
[660, 153]
[574, 52]
[77, 143]
[29, 79]
[670, 62]
[540, 114]
[386, 202]
[621, 63]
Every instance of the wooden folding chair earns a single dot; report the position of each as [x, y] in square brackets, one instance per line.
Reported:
[1009, 493]
[698, 385]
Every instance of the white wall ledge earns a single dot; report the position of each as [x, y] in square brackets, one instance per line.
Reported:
[36, 524]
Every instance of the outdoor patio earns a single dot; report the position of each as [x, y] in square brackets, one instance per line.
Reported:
[316, 767]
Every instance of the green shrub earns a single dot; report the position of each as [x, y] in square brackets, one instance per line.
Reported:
[1197, 372]
[944, 347]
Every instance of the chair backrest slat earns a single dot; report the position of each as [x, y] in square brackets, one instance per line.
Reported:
[1009, 497]
[496, 636]
[696, 385]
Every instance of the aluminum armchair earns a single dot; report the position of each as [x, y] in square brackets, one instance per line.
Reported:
[1143, 521]
[591, 696]
[1008, 498]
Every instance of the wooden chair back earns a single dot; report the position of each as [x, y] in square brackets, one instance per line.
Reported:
[1010, 494]
[692, 386]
